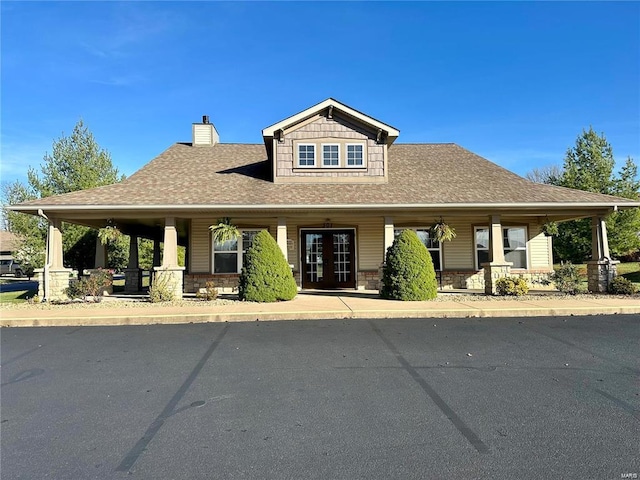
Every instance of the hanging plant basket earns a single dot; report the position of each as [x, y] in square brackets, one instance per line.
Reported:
[224, 231]
[109, 234]
[442, 231]
[550, 229]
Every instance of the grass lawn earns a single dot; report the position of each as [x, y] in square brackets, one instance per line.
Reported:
[17, 297]
[630, 271]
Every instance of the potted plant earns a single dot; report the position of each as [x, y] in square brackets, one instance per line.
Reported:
[442, 231]
[224, 231]
[550, 229]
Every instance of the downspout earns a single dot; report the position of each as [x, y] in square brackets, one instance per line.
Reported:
[47, 264]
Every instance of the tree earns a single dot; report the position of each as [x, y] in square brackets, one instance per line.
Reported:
[549, 174]
[623, 226]
[589, 166]
[266, 275]
[408, 273]
[77, 162]
[31, 230]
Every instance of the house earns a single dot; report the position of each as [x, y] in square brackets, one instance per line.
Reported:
[333, 186]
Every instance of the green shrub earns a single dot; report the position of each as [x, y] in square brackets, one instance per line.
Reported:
[209, 292]
[515, 286]
[266, 275]
[622, 286]
[408, 273]
[567, 279]
[161, 290]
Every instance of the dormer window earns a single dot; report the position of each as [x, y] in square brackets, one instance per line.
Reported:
[355, 157]
[306, 155]
[331, 155]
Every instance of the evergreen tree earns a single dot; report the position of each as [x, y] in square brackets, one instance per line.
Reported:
[408, 273]
[266, 275]
[77, 162]
[589, 166]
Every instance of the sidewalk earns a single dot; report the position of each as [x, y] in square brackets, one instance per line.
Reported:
[311, 305]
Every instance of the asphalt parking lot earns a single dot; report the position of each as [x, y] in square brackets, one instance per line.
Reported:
[553, 397]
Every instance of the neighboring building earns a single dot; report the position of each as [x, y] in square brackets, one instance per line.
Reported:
[333, 187]
[8, 244]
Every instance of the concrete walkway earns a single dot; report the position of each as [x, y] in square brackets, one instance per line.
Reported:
[311, 305]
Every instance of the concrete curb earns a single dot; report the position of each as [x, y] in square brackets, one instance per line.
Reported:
[185, 318]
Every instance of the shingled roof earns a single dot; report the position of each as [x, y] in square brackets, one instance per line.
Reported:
[238, 175]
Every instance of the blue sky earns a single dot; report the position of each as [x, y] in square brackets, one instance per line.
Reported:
[515, 82]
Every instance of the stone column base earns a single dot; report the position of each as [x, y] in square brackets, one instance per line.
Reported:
[58, 283]
[132, 280]
[492, 272]
[600, 273]
[171, 278]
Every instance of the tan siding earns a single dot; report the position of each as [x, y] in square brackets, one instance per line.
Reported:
[370, 240]
[458, 254]
[200, 246]
[538, 248]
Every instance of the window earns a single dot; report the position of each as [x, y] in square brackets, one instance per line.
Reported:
[306, 155]
[515, 246]
[330, 155]
[228, 257]
[432, 245]
[355, 157]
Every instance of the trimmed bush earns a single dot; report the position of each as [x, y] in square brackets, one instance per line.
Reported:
[567, 279]
[408, 273]
[266, 275]
[515, 286]
[622, 286]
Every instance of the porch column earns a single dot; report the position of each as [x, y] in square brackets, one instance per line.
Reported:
[281, 237]
[388, 234]
[170, 275]
[156, 252]
[497, 267]
[601, 269]
[101, 254]
[100, 264]
[53, 279]
[133, 274]
[388, 241]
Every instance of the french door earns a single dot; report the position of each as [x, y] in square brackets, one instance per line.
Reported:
[328, 259]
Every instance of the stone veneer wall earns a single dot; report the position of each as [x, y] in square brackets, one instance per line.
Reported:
[370, 280]
[59, 282]
[474, 280]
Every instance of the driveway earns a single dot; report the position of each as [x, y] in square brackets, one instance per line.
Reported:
[338, 399]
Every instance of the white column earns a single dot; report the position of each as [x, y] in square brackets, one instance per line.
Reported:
[388, 234]
[599, 240]
[54, 254]
[170, 253]
[496, 243]
[101, 254]
[281, 236]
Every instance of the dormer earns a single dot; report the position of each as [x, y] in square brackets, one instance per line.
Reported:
[329, 143]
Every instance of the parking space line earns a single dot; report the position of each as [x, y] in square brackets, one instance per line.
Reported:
[170, 409]
[462, 427]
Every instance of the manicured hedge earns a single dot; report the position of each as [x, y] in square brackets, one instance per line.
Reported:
[408, 273]
[266, 275]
